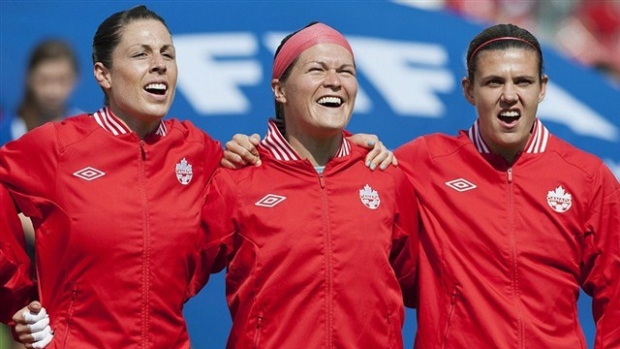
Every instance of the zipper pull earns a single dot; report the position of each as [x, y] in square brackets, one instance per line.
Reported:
[142, 152]
[321, 181]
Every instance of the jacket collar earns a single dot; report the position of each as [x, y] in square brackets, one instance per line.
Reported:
[116, 126]
[536, 144]
[279, 147]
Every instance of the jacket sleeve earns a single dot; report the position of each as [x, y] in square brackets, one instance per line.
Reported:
[28, 166]
[213, 154]
[218, 228]
[404, 254]
[601, 264]
[16, 286]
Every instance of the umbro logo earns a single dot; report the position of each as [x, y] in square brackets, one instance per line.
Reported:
[461, 185]
[89, 173]
[270, 200]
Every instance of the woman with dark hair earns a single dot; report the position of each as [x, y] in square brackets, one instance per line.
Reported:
[515, 219]
[52, 75]
[115, 197]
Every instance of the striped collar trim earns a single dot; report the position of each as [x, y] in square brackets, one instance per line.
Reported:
[280, 148]
[536, 144]
[116, 126]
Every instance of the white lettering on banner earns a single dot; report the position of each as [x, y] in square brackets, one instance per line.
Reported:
[212, 86]
[559, 106]
[409, 76]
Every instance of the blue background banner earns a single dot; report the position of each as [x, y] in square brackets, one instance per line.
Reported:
[410, 64]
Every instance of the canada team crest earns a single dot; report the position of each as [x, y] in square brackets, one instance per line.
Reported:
[370, 198]
[184, 172]
[559, 200]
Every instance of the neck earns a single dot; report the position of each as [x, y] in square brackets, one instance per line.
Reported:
[317, 151]
[509, 157]
[509, 151]
[143, 129]
[140, 127]
[34, 116]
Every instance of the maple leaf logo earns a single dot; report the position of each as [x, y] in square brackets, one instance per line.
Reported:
[559, 200]
[370, 198]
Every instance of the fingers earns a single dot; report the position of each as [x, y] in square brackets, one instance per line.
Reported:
[34, 307]
[364, 140]
[39, 326]
[32, 318]
[43, 338]
[394, 160]
[232, 160]
[28, 313]
[241, 151]
[255, 139]
[380, 157]
[32, 326]
[42, 334]
[23, 334]
[39, 340]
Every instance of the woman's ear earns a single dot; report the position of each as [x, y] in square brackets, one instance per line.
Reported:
[102, 75]
[278, 91]
[543, 88]
[468, 90]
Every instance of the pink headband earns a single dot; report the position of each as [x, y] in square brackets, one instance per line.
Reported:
[313, 35]
[473, 54]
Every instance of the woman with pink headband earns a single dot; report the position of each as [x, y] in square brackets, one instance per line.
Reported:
[319, 250]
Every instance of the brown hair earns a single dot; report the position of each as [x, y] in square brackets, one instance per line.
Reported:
[45, 51]
[110, 33]
[502, 37]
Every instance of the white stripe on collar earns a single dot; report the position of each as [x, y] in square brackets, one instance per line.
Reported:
[536, 144]
[116, 126]
[280, 148]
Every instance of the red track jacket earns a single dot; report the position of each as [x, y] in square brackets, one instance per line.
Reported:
[15, 266]
[316, 261]
[505, 249]
[117, 226]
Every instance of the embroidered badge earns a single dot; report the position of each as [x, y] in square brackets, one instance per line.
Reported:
[89, 173]
[184, 172]
[370, 198]
[559, 200]
[461, 184]
[270, 200]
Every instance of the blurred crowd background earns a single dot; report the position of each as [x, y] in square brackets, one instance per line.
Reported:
[587, 31]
